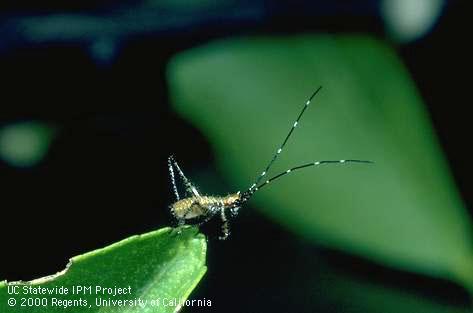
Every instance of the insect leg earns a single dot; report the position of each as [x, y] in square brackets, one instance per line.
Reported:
[234, 211]
[225, 224]
[173, 180]
[190, 188]
[209, 215]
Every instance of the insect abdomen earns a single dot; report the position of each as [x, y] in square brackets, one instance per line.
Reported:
[194, 207]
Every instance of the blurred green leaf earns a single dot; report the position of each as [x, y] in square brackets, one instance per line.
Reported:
[358, 296]
[25, 144]
[329, 286]
[403, 211]
[156, 265]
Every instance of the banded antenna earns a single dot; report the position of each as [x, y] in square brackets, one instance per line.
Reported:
[275, 156]
[256, 186]
[308, 165]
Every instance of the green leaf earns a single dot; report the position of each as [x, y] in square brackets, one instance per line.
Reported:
[159, 266]
[403, 211]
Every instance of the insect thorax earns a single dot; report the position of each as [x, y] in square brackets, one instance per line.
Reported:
[196, 207]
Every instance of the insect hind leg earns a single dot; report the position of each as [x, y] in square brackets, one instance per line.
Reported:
[190, 188]
[225, 225]
[173, 179]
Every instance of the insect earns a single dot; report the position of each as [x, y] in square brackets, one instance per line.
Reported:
[197, 209]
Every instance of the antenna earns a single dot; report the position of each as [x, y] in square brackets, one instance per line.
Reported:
[304, 166]
[251, 189]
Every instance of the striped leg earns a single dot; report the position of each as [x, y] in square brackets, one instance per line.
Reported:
[190, 188]
[173, 180]
[225, 225]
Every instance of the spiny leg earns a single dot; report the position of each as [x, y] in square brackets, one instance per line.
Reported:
[207, 218]
[189, 186]
[173, 180]
[234, 211]
[225, 224]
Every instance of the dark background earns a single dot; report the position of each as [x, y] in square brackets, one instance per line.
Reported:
[103, 87]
